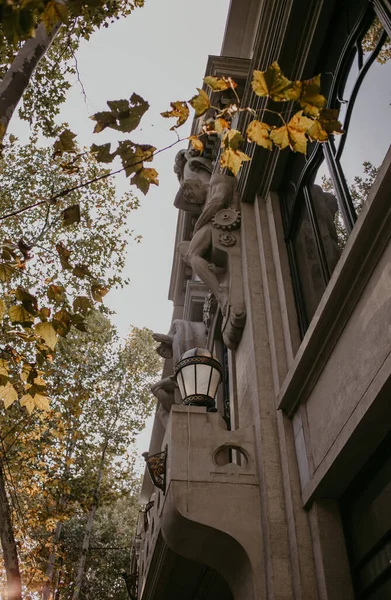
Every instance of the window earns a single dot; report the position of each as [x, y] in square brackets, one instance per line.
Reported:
[325, 191]
[366, 516]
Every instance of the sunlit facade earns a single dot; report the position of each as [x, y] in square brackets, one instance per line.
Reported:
[285, 492]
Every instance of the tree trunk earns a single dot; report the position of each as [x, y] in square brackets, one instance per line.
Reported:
[8, 544]
[88, 531]
[19, 74]
[50, 569]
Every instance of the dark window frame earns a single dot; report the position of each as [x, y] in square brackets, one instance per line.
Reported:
[328, 152]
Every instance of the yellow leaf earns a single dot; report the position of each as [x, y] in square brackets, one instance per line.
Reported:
[6, 272]
[144, 178]
[232, 139]
[274, 84]
[18, 314]
[221, 125]
[2, 309]
[233, 159]
[48, 333]
[293, 133]
[41, 402]
[8, 394]
[196, 143]
[259, 133]
[98, 292]
[219, 84]
[326, 124]
[3, 367]
[180, 111]
[54, 13]
[311, 100]
[200, 103]
[28, 401]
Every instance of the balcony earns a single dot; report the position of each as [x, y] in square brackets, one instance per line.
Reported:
[202, 538]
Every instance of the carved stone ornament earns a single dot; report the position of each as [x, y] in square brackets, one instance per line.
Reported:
[209, 310]
[215, 259]
[227, 239]
[227, 219]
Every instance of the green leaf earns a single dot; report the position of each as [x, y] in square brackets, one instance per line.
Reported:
[180, 111]
[259, 132]
[200, 103]
[71, 215]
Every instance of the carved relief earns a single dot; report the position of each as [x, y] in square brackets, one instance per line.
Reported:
[213, 256]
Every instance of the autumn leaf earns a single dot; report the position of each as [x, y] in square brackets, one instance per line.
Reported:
[41, 402]
[54, 13]
[98, 292]
[144, 178]
[102, 152]
[219, 84]
[81, 271]
[62, 322]
[259, 132]
[43, 313]
[327, 123]
[232, 139]
[71, 215]
[124, 115]
[8, 394]
[28, 401]
[274, 84]
[133, 155]
[29, 302]
[196, 143]
[65, 143]
[56, 293]
[82, 304]
[2, 309]
[311, 100]
[293, 133]
[221, 125]
[233, 159]
[64, 255]
[180, 111]
[6, 272]
[18, 314]
[3, 367]
[200, 102]
[47, 332]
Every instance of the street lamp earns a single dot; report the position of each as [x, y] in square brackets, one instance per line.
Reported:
[198, 375]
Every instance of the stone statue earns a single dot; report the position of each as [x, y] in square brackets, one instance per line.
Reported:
[214, 251]
[183, 336]
[188, 165]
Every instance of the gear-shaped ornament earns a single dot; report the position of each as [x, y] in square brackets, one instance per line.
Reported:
[227, 219]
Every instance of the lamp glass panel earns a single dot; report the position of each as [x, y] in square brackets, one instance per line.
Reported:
[203, 377]
[215, 380]
[188, 374]
[180, 385]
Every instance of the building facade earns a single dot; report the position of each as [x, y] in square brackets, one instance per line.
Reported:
[284, 492]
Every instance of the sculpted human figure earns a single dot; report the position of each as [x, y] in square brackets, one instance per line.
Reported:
[218, 194]
[188, 165]
[183, 336]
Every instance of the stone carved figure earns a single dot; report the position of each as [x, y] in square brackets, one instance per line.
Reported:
[183, 336]
[188, 165]
[213, 260]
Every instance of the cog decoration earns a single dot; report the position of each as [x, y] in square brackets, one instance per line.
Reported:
[227, 239]
[227, 219]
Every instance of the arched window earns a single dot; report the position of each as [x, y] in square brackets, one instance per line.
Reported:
[325, 191]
